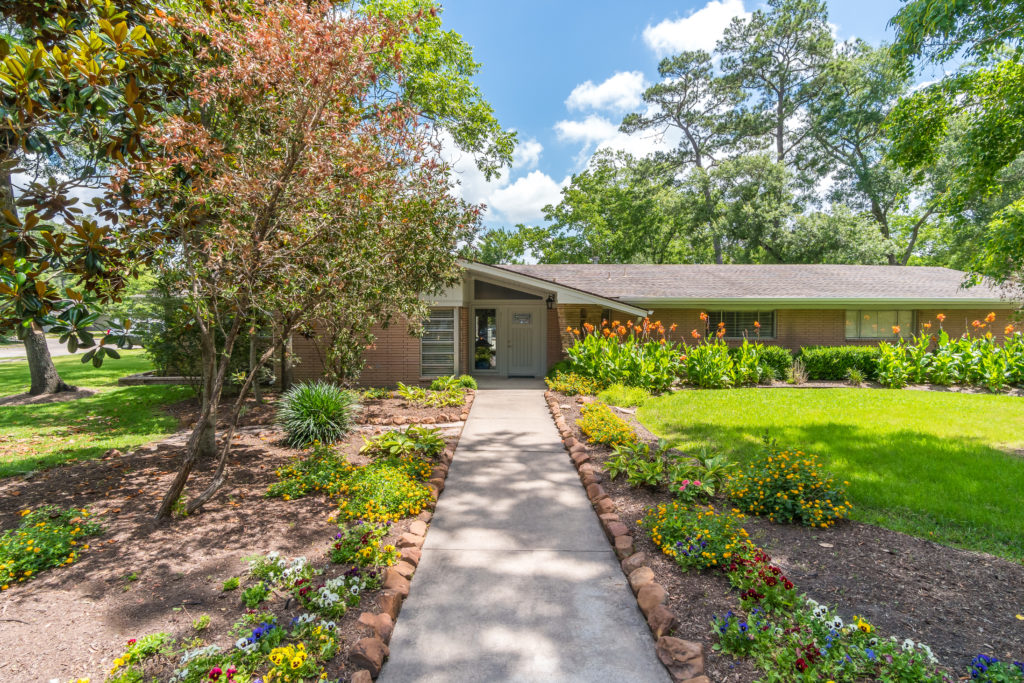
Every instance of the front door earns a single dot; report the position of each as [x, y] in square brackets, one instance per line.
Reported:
[523, 341]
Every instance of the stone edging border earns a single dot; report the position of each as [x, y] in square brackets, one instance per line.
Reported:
[684, 659]
[369, 653]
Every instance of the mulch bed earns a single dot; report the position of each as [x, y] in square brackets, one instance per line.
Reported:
[961, 603]
[72, 622]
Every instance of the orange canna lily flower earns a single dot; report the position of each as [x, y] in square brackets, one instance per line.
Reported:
[569, 329]
[720, 333]
[588, 327]
[695, 334]
[622, 330]
[672, 327]
[576, 332]
[926, 326]
[757, 325]
[940, 317]
[704, 316]
[896, 329]
[607, 332]
[1008, 331]
[976, 324]
[990, 318]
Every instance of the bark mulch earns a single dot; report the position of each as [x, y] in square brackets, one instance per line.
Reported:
[959, 602]
[138, 578]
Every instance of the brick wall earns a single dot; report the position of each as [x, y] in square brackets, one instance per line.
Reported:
[553, 344]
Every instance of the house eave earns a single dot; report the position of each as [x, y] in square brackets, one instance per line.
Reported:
[818, 302]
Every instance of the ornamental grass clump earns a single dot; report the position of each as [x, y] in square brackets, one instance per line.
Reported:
[603, 426]
[315, 411]
[47, 537]
[698, 537]
[788, 487]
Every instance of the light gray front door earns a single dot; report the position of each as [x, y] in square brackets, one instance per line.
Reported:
[523, 327]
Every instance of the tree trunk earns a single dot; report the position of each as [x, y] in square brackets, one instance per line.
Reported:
[253, 363]
[45, 379]
[286, 364]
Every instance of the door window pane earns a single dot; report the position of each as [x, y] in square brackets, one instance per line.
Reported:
[437, 345]
[485, 348]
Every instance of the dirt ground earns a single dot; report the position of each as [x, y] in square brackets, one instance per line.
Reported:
[137, 578]
[961, 603]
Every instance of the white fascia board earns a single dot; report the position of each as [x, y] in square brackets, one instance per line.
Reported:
[740, 303]
[563, 293]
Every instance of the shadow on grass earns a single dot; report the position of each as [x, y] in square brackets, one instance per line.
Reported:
[957, 490]
[119, 418]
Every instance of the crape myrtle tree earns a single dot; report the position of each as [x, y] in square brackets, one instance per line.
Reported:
[72, 99]
[291, 183]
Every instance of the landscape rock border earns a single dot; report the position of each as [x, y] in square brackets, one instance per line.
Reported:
[683, 659]
[370, 652]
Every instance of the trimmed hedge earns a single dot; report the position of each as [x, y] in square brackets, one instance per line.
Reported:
[834, 362]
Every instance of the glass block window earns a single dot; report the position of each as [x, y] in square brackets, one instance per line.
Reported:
[739, 322]
[879, 324]
[437, 345]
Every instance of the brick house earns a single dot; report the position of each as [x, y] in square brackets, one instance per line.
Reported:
[511, 320]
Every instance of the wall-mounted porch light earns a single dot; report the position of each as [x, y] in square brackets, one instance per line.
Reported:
[550, 301]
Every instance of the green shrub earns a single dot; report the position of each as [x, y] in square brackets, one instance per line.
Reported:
[360, 544]
[833, 363]
[894, 367]
[467, 382]
[230, 584]
[375, 393]
[560, 366]
[385, 490]
[448, 383]
[571, 384]
[415, 440]
[255, 594]
[641, 465]
[787, 487]
[603, 426]
[47, 537]
[633, 355]
[322, 470]
[777, 360]
[315, 411]
[627, 397]
[430, 398]
[698, 537]
[709, 366]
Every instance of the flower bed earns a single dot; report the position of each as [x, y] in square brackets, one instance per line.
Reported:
[753, 593]
[176, 575]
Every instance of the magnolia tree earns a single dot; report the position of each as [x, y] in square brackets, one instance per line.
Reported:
[292, 188]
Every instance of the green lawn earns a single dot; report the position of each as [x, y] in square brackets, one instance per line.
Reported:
[39, 436]
[936, 465]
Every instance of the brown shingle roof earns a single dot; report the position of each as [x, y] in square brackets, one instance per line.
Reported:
[712, 282]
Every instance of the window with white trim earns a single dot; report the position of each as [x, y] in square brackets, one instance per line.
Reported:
[879, 324]
[437, 345]
[741, 323]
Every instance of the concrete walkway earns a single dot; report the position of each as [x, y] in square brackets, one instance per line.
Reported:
[517, 581]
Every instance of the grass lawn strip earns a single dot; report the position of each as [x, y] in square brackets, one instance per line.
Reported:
[40, 436]
[940, 466]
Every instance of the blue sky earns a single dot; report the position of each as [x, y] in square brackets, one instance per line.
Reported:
[563, 73]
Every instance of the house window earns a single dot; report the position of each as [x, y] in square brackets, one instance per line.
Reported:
[437, 345]
[741, 323]
[879, 324]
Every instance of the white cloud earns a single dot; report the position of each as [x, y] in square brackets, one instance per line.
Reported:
[527, 154]
[698, 31]
[522, 201]
[591, 130]
[619, 92]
